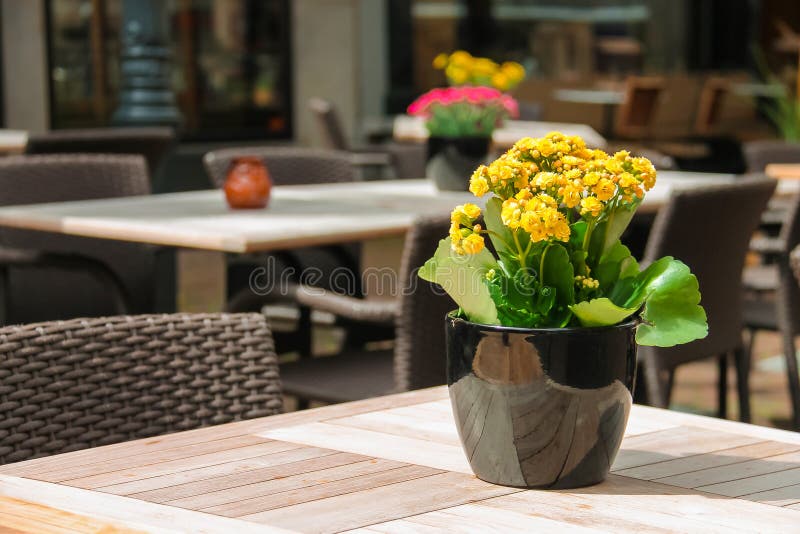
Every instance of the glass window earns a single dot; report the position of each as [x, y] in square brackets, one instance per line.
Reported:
[229, 58]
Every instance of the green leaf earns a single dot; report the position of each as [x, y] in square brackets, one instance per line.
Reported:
[617, 263]
[463, 277]
[600, 312]
[557, 272]
[501, 236]
[672, 313]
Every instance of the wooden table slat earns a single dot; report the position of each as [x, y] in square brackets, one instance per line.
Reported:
[323, 491]
[386, 503]
[229, 475]
[738, 471]
[237, 495]
[699, 462]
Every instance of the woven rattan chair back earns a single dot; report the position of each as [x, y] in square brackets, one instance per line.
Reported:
[709, 229]
[330, 127]
[759, 154]
[151, 142]
[41, 296]
[286, 165]
[420, 343]
[81, 383]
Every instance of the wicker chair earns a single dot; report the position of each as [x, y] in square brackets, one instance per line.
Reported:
[81, 383]
[772, 299]
[287, 165]
[152, 142]
[759, 154]
[418, 358]
[56, 276]
[290, 166]
[407, 160]
[694, 223]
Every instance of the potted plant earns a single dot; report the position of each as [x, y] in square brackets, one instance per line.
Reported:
[460, 122]
[542, 349]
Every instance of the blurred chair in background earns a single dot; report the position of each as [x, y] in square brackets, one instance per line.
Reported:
[417, 315]
[759, 154]
[407, 160]
[772, 298]
[43, 274]
[635, 115]
[291, 166]
[151, 142]
[71, 385]
[695, 221]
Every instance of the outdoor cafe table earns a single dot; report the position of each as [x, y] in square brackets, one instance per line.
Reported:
[203, 230]
[407, 128]
[395, 464]
[13, 141]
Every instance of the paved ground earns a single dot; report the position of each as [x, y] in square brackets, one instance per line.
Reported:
[696, 386]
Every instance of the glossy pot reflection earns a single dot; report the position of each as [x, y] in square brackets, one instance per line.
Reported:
[543, 408]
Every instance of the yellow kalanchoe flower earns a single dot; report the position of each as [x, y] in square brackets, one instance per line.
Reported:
[472, 244]
[545, 183]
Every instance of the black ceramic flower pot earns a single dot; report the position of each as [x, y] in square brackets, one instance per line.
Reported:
[452, 160]
[540, 408]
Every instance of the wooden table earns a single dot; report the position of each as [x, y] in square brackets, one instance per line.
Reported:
[13, 141]
[783, 171]
[412, 129]
[203, 230]
[394, 464]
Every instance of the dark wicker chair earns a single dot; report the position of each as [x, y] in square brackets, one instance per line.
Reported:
[759, 154]
[81, 383]
[709, 229]
[772, 298]
[287, 165]
[418, 358]
[151, 142]
[57, 276]
[407, 160]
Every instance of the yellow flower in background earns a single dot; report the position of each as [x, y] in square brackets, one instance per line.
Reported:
[461, 57]
[500, 81]
[462, 68]
[458, 75]
[440, 61]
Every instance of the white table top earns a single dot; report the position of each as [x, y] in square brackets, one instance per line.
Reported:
[13, 141]
[590, 96]
[297, 216]
[408, 128]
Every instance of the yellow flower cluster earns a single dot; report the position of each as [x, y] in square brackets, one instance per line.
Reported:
[465, 235]
[542, 182]
[462, 68]
[538, 215]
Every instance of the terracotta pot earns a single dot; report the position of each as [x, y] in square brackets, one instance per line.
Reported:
[540, 408]
[248, 184]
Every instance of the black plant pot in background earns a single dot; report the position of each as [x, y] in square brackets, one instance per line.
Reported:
[540, 408]
[452, 160]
